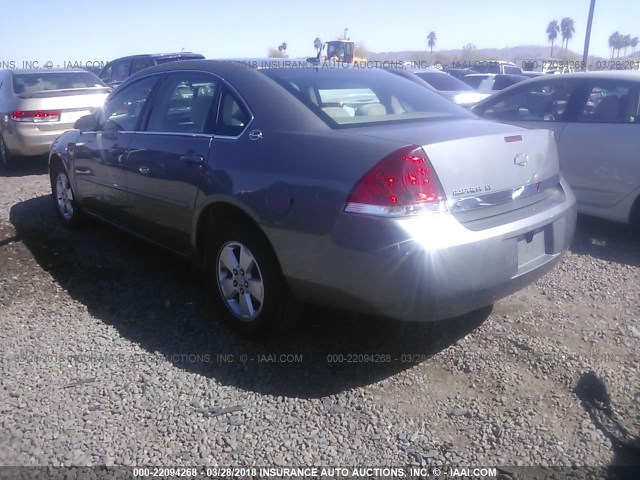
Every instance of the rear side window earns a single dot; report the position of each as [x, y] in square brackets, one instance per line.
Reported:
[120, 70]
[140, 64]
[539, 101]
[608, 101]
[184, 104]
[233, 117]
[38, 82]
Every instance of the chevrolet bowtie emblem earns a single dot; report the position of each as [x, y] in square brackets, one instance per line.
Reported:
[521, 159]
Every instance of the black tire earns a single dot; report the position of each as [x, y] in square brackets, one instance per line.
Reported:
[7, 161]
[277, 311]
[64, 202]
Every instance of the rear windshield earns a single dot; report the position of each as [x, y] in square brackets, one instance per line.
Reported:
[474, 81]
[352, 97]
[38, 82]
[443, 81]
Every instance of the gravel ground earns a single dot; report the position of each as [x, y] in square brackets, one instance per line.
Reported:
[111, 355]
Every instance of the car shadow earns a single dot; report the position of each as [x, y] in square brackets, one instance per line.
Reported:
[592, 392]
[27, 166]
[610, 241]
[163, 304]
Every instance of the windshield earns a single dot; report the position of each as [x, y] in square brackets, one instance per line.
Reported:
[361, 97]
[339, 49]
[38, 82]
[443, 81]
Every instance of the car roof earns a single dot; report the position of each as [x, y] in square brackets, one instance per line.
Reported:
[612, 74]
[162, 55]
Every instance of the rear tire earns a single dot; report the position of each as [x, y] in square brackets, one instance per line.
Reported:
[247, 282]
[64, 200]
[6, 159]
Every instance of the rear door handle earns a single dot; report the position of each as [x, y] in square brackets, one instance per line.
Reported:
[192, 158]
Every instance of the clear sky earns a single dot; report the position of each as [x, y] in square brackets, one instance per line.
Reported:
[85, 30]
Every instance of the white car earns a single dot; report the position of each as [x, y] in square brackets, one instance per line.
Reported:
[596, 119]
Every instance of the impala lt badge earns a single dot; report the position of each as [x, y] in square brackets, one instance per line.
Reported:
[521, 159]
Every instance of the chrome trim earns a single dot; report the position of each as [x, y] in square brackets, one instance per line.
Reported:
[395, 212]
[465, 204]
[178, 134]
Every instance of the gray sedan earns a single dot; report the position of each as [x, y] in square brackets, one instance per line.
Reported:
[353, 188]
[37, 106]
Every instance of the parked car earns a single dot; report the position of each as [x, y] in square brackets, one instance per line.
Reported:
[116, 71]
[409, 207]
[459, 73]
[497, 67]
[455, 90]
[37, 106]
[596, 119]
[491, 82]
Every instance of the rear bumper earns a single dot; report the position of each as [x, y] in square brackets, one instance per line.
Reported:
[32, 139]
[432, 267]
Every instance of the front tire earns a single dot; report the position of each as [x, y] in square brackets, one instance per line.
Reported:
[64, 199]
[248, 284]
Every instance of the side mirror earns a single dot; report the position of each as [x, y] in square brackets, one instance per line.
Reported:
[88, 123]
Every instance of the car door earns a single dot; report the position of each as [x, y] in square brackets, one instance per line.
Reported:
[536, 104]
[98, 162]
[167, 159]
[600, 146]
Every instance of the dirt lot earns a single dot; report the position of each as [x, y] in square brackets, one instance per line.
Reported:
[111, 355]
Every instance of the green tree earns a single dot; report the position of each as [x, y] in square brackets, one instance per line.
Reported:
[431, 41]
[552, 33]
[568, 28]
[282, 48]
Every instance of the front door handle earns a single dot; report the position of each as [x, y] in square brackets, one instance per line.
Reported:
[192, 158]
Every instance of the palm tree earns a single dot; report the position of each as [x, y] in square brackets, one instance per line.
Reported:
[317, 44]
[613, 41]
[626, 43]
[431, 41]
[567, 27]
[634, 43]
[282, 48]
[552, 33]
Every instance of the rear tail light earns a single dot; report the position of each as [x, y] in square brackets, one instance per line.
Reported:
[403, 183]
[35, 116]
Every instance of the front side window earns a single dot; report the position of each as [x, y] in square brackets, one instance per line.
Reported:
[608, 101]
[122, 111]
[184, 104]
[539, 102]
[120, 70]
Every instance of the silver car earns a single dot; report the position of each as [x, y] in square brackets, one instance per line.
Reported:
[393, 202]
[37, 106]
[596, 119]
